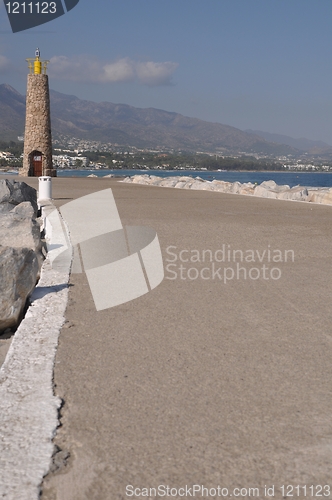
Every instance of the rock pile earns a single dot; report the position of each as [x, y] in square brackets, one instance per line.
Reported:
[20, 249]
[267, 189]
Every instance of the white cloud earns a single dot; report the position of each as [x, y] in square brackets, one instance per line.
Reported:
[122, 70]
[85, 69]
[152, 73]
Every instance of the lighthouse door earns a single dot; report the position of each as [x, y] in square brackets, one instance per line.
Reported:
[37, 164]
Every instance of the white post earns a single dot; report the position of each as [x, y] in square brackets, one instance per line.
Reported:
[45, 188]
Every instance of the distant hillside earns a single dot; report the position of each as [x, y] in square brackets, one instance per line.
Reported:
[130, 126]
[12, 113]
[149, 127]
[302, 144]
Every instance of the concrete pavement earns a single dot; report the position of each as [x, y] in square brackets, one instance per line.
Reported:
[215, 380]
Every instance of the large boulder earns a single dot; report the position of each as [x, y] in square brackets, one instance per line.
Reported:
[327, 199]
[20, 249]
[184, 184]
[18, 270]
[247, 188]
[320, 195]
[269, 189]
[235, 187]
[196, 184]
[19, 228]
[140, 179]
[297, 193]
[6, 207]
[155, 180]
[221, 186]
[201, 186]
[169, 182]
[15, 192]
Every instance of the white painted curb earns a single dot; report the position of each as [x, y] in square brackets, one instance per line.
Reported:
[28, 407]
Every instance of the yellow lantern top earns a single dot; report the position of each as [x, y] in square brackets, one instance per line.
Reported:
[36, 66]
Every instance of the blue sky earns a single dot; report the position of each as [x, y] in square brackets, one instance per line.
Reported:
[259, 64]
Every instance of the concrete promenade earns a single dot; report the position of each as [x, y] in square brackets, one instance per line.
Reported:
[220, 376]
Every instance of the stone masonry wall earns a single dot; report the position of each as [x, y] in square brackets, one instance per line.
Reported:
[38, 124]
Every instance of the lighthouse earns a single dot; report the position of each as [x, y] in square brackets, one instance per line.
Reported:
[37, 155]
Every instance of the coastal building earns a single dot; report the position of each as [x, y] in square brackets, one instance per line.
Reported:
[7, 156]
[65, 161]
[37, 155]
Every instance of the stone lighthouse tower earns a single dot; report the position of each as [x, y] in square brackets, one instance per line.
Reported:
[37, 156]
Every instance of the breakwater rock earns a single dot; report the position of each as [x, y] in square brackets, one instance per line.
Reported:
[13, 193]
[20, 249]
[267, 189]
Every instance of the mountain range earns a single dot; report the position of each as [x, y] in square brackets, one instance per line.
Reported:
[152, 128]
[302, 144]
